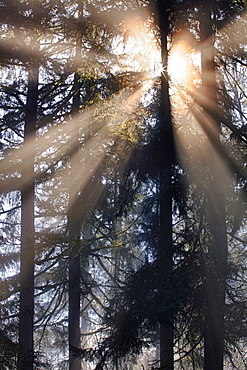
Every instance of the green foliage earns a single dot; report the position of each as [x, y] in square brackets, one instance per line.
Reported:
[117, 211]
[8, 352]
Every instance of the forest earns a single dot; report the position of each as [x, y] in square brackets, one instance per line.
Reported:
[123, 178]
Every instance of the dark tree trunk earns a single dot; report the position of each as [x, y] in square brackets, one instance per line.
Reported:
[217, 251]
[74, 223]
[74, 298]
[74, 227]
[166, 153]
[26, 315]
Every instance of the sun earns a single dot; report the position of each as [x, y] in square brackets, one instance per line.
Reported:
[137, 48]
[184, 73]
[180, 63]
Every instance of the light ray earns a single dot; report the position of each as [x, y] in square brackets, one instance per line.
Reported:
[233, 36]
[210, 165]
[61, 140]
[200, 157]
[179, 65]
[98, 124]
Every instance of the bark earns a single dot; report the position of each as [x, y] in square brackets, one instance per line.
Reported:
[26, 315]
[74, 300]
[217, 252]
[74, 226]
[166, 148]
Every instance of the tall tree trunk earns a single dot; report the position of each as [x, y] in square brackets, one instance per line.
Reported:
[217, 251]
[166, 149]
[74, 293]
[74, 225]
[26, 315]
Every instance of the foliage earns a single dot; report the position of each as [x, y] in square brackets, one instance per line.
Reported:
[126, 294]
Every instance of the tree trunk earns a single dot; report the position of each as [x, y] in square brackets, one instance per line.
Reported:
[166, 148]
[74, 225]
[26, 315]
[74, 299]
[217, 251]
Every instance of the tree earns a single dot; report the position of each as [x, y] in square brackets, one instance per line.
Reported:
[26, 312]
[74, 223]
[166, 150]
[26, 351]
[213, 218]
[31, 15]
[217, 252]
[134, 204]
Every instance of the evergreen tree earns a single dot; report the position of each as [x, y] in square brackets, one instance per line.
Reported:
[133, 200]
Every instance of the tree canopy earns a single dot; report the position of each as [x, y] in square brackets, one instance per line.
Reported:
[123, 184]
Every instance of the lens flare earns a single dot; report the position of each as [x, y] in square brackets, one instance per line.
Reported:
[179, 64]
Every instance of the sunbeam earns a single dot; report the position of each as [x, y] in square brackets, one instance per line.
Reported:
[123, 166]
[196, 112]
[140, 52]
[198, 151]
[179, 65]
[98, 126]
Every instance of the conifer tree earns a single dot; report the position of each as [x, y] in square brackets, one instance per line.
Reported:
[166, 159]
